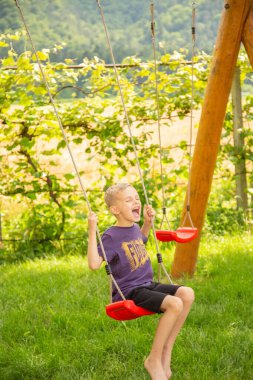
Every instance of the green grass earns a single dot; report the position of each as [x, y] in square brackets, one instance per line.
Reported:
[53, 324]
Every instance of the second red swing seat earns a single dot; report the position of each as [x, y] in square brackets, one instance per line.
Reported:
[126, 310]
[181, 235]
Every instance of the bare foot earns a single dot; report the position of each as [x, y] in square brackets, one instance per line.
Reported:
[167, 370]
[168, 373]
[155, 369]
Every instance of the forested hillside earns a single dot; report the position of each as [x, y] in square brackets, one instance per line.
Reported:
[77, 23]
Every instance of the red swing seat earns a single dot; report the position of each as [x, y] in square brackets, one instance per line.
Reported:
[181, 235]
[126, 310]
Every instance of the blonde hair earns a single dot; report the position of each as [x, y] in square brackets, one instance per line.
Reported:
[112, 191]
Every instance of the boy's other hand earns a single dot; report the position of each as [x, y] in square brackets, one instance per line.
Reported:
[148, 213]
[92, 221]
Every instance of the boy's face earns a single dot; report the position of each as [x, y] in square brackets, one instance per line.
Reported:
[127, 206]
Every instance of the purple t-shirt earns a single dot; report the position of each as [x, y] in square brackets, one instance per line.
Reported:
[129, 261]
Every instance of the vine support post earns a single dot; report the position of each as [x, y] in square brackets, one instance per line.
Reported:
[239, 148]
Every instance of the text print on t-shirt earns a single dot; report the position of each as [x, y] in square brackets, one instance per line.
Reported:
[136, 253]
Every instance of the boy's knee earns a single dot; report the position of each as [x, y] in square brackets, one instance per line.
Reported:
[174, 304]
[186, 294]
[177, 305]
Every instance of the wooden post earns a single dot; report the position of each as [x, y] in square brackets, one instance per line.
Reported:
[218, 89]
[240, 164]
[247, 36]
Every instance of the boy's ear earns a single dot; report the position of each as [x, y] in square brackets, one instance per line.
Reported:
[114, 210]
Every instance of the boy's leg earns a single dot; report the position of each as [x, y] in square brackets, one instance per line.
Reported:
[172, 307]
[187, 296]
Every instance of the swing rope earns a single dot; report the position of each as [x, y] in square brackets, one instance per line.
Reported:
[153, 39]
[187, 214]
[108, 40]
[107, 266]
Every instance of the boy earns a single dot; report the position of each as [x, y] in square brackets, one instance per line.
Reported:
[124, 245]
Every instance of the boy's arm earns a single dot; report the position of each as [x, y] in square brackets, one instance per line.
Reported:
[94, 260]
[149, 214]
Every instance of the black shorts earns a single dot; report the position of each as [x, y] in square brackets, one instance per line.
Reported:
[151, 297]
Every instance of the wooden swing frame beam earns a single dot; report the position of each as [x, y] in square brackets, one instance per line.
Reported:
[236, 26]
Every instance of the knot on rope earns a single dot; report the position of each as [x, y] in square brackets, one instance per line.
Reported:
[108, 269]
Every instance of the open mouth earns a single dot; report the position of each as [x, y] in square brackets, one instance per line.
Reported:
[136, 212]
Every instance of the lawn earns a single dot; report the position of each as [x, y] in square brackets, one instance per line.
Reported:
[53, 325]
